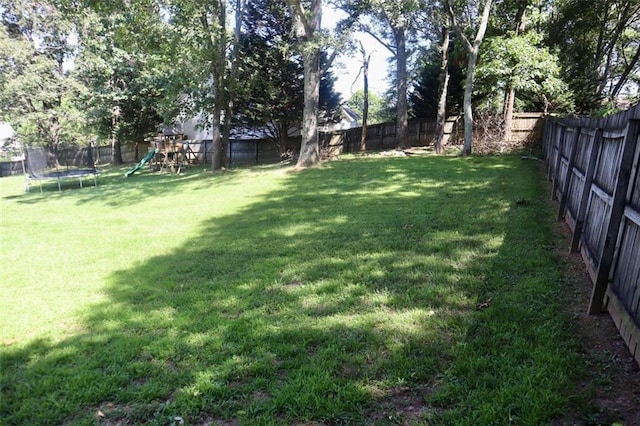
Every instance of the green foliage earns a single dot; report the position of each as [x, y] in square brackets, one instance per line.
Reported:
[599, 48]
[36, 92]
[271, 70]
[426, 92]
[197, 55]
[330, 100]
[379, 109]
[122, 64]
[523, 63]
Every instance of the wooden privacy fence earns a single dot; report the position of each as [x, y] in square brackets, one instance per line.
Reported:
[245, 152]
[422, 132]
[239, 152]
[594, 167]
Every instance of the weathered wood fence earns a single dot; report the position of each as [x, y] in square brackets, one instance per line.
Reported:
[594, 167]
[422, 132]
[239, 152]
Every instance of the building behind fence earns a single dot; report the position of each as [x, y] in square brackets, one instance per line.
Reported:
[594, 167]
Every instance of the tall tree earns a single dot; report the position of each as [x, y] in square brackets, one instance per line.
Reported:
[397, 16]
[599, 47]
[510, 95]
[118, 61]
[199, 53]
[36, 91]
[364, 70]
[272, 93]
[478, 25]
[443, 87]
[272, 72]
[524, 65]
[427, 94]
[330, 99]
[307, 22]
[232, 86]
[435, 93]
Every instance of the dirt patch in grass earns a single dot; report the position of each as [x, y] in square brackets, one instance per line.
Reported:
[613, 376]
[402, 405]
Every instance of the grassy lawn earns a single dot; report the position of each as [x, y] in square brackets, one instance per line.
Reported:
[366, 291]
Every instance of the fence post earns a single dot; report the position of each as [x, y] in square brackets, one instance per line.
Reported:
[586, 191]
[556, 128]
[546, 135]
[257, 153]
[567, 179]
[557, 170]
[617, 211]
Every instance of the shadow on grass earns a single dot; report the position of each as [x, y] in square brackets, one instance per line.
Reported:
[345, 297]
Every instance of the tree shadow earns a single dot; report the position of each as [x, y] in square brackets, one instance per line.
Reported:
[313, 303]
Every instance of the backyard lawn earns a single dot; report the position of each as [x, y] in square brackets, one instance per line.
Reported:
[369, 290]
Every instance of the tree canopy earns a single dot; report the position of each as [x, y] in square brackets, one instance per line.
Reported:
[271, 70]
[36, 91]
[72, 72]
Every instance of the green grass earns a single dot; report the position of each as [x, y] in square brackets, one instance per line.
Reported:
[344, 294]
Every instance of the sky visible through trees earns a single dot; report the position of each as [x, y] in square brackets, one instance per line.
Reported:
[347, 65]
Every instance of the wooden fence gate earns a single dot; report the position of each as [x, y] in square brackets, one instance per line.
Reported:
[594, 167]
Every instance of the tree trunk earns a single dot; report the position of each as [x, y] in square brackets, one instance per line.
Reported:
[467, 107]
[226, 132]
[217, 158]
[284, 138]
[116, 152]
[365, 106]
[622, 80]
[510, 95]
[402, 134]
[441, 118]
[231, 82]
[472, 51]
[309, 151]
[218, 67]
[508, 113]
[306, 26]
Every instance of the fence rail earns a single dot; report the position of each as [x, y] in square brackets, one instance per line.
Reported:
[595, 170]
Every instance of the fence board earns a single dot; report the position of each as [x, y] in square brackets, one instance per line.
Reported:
[594, 166]
[572, 143]
[623, 172]
[594, 228]
[574, 195]
[586, 191]
[609, 162]
[586, 143]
